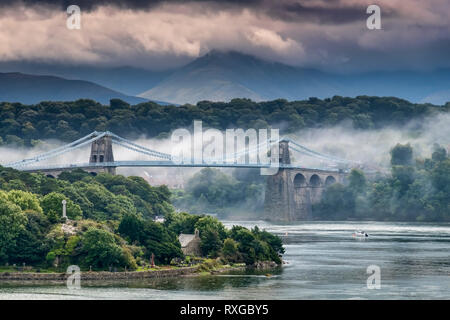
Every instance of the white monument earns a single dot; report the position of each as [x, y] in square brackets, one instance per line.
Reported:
[64, 203]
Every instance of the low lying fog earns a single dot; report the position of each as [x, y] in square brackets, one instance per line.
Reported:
[370, 147]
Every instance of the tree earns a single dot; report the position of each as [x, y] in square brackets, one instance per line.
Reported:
[30, 245]
[208, 222]
[74, 175]
[402, 155]
[52, 206]
[441, 177]
[274, 241]
[439, 153]
[100, 249]
[403, 176]
[211, 243]
[246, 243]
[12, 222]
[118, 104]
[212, 233]
[131, 227]
[159, 241]
[181, 222]
[25, 200]
[230, 250]
[357, 181]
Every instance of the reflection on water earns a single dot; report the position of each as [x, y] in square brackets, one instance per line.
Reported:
[323, 261]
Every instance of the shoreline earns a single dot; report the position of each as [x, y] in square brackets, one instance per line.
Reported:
[129, 275]
[96, 275]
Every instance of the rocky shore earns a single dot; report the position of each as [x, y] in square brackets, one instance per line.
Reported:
[102, 275]
[262, 265]
[130, 275]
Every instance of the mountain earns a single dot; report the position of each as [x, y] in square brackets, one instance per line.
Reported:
[222, 76]
[216, 76]
[128, 80]
[32, 89]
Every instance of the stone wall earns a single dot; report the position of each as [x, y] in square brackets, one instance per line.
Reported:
[8, 276]
[291, 193]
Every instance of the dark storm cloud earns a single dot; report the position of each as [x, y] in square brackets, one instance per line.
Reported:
[317, 33]
[124, 4]
[318, 14]
[333, 12]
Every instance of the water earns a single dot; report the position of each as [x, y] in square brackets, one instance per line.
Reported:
[323, 262]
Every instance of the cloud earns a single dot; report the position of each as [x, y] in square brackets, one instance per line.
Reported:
[272, 40]
[160, 34]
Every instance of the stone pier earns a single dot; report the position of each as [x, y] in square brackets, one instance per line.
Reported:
[291, 193]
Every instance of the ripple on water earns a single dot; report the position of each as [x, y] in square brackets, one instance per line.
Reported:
[323, 262]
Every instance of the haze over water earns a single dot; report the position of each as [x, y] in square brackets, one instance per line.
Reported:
[323, 261]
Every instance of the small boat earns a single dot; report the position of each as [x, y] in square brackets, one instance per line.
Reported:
[360, 233]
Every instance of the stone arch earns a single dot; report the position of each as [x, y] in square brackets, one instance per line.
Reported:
[92, 173]
[330, 180]
[299, 181]
[50, 176]
[315, 181]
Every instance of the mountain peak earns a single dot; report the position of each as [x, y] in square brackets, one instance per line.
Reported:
[223, 75]
[227, 58]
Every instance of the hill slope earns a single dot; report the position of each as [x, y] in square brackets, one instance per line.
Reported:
[222, 76]
[31, 89]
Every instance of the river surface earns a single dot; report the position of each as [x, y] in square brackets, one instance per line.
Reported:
[323, 261]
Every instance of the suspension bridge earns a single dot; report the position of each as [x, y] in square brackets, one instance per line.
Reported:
[290, 190]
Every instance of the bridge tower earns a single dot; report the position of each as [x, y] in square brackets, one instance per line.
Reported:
[101, 151]
[291, 192]
[284, 155]
[279, 202]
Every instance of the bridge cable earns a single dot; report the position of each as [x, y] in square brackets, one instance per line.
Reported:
[55, 152]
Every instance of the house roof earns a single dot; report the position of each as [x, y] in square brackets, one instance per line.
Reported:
[185, 239]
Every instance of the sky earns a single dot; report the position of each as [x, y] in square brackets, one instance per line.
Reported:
[328, 35]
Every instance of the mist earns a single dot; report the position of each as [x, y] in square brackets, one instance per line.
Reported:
[370, 147]
[174, 177]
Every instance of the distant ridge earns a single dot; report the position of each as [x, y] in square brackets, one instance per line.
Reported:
[216, 76]
[222, 76]
[32, 89]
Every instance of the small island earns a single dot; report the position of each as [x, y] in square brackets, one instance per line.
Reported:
[110, 226]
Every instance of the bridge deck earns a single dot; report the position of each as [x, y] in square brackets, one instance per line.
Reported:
[119, 164]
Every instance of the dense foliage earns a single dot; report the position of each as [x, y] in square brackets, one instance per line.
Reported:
[416, 191]
[236, 245]
[99, 197]
[111, 224]
[31, 230]
[67, 121]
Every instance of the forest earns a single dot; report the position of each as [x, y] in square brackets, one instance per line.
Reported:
[417, 189]
[111, 225]
[25, 125]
